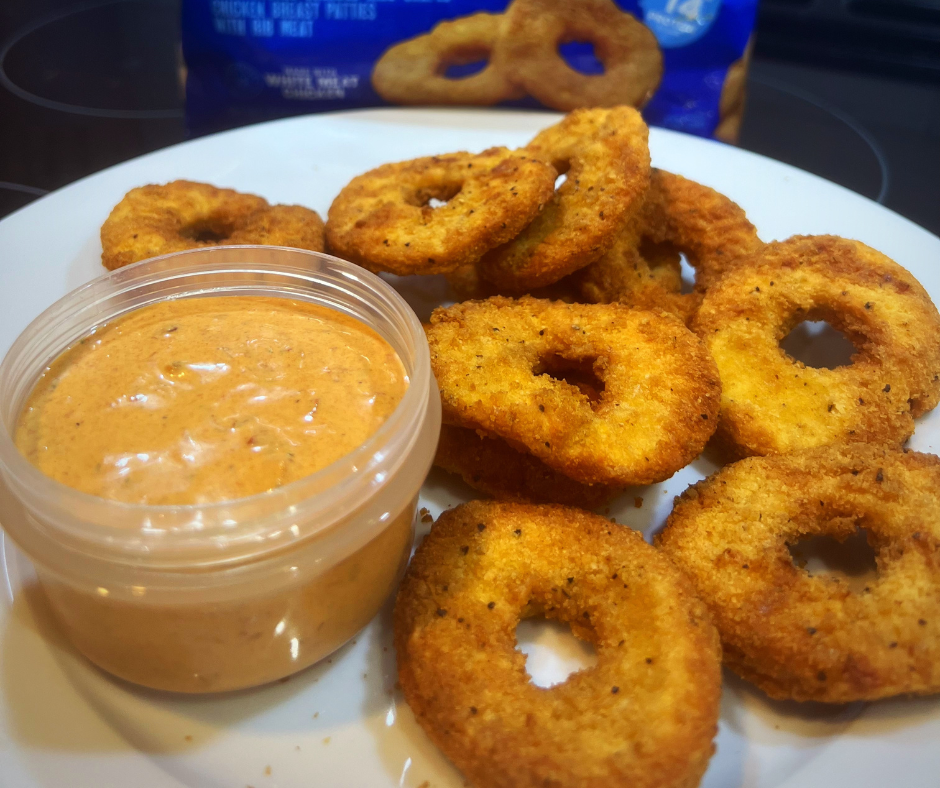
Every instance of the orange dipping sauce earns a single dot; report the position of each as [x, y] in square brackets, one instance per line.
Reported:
[199, 400]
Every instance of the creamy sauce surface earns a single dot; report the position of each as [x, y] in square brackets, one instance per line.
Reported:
[209, 399]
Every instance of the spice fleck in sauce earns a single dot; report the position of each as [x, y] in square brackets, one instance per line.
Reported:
[208, 399]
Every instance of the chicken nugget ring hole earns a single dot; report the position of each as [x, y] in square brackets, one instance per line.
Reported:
[552, 651]
[208, 231]
[581, 57]
[575, 372]
[818, 344]
[464, 64]
[665, 253]
[652, 251]
[434, 196]
[562, 166]
[850, 559]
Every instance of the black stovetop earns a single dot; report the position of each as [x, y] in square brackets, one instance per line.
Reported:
[87, 85]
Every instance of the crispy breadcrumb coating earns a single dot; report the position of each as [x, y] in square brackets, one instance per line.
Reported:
[605, 157]
[813, 638]
[383, 219]
[644, 716]
[678, 216]
[711, 230]
[496, 469]
[160, 219]
[494, 361]
[772, 403]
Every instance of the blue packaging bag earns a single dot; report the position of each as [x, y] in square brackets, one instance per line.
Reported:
[253, 60]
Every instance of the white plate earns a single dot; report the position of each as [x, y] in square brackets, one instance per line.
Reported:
[342, 723]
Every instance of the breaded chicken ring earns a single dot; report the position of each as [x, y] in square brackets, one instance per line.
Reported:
[711, 230]
[155, 220]
[528, 53]
[501, 366]
[812, 638]
[383, 219]
[415, 71]
[772, 403]
[499, 471]
[638, 273]
[605, 156]
[644, 715]
[678, 216]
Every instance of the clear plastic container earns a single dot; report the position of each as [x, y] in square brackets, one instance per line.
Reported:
[222, 596]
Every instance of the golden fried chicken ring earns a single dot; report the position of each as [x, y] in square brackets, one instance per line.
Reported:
[501, 365]
[637, 273]
[645, 714]
[605, 157]
[628, 50]
[811, 637]
[678, 216]
[383, 219]
[499, 471]
[414, 71]
[160, 219]
[712, 231]
[773, 404]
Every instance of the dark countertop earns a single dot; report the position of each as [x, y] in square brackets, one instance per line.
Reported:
[84, 86]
